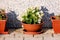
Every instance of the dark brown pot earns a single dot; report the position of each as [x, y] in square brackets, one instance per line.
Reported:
[32, 27]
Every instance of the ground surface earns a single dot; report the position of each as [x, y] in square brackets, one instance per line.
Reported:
[17, 34]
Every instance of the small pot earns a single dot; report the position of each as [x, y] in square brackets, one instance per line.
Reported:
[32, 27]
[3, 26]
[55, 24]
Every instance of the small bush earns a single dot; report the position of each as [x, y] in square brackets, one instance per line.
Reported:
[33, 16]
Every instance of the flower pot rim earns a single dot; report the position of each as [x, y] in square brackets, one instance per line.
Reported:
[2, 20]
[54, 19]
[33, 24]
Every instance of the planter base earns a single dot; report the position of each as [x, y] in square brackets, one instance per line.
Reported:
[33, 33]
[3, 32]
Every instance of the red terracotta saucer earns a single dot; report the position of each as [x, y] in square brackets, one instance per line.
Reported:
[5, 31]
[33, 33]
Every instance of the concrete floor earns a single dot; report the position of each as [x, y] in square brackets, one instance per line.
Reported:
[18, 34]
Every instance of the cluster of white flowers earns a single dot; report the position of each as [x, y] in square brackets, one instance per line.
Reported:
[40, 16]
[36, 11]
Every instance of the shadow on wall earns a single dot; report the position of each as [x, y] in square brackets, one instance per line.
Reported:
[12, 21]
[46, 17]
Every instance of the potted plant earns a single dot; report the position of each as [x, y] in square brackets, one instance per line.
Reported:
[3, 20]
[56, 23]
[32, 20]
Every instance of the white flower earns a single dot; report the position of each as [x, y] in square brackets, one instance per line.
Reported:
[33, 11]
[39, 21]
[41, 11]
[42, 14]
[38, 13]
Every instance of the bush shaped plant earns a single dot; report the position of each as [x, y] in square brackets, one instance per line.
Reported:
[2, 14]
[33, 16]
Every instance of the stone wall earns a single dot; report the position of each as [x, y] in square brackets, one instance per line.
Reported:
[19, 6]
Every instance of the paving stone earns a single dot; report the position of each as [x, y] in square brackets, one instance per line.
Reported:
[39, 38]
[18, 35]
[28, 38]
[22, 35]
[11, 35]
[1, 38]
[38, 35]
[56, 36]
[48, 37]
[9, 38]
[32, 38]
[13, 38]
[49, 31]
[27, 35]
[7, 35]
[19, 30]
[20, 38]
[43, 35]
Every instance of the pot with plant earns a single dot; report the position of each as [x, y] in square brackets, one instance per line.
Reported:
[32, 20]
[56, 23]
[3, 20]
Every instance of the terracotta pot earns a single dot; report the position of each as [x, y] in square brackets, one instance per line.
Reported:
[32, 27]
[3, 26]
[55, 24]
